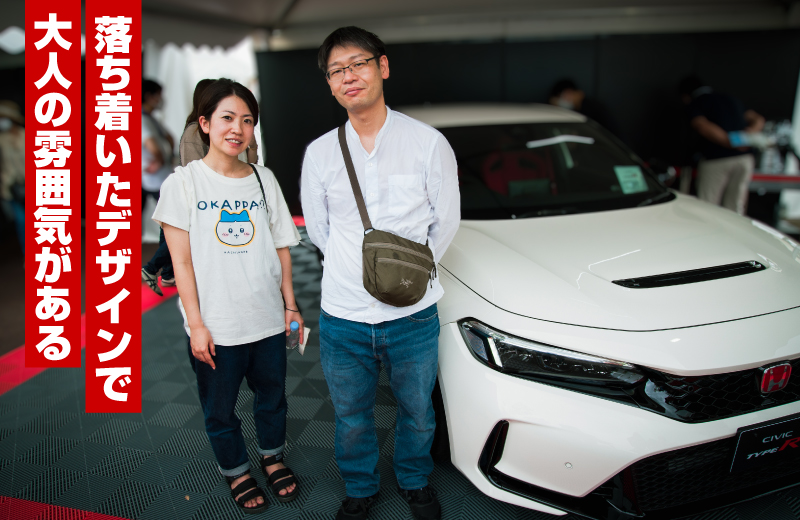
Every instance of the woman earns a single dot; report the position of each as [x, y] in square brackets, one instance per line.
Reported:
[229, 231]
[191, 148]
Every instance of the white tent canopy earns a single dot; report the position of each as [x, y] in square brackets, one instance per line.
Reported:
[292, 24]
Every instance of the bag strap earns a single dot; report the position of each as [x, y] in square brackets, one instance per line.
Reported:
[351, 172]
[259, 183]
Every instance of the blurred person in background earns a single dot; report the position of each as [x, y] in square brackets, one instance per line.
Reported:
[566, 94]
[12, 166]
[157, 156]
[722, 122]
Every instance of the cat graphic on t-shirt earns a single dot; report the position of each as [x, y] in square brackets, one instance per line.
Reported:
[235, 229]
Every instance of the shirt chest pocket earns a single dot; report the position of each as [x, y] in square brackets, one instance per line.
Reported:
[406, 193]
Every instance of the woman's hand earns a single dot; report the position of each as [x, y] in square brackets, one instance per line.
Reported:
[292, 312]
[203, 347]
[289, 317]
[180, 250]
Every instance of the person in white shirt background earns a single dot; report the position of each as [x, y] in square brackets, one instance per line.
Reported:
[408, 174]
[229, 231]
[157, 158]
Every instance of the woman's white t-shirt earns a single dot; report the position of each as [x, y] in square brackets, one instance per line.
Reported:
[233, 234]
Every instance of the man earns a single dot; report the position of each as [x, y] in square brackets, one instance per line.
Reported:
[408, 175]
[566, 94]
[724, 173]
[157, 153]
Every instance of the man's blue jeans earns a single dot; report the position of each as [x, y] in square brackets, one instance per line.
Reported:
[351, 354]
[263, 364]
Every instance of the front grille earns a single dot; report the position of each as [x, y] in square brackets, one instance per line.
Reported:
[662, 487]
[681, 477]
[707, 398]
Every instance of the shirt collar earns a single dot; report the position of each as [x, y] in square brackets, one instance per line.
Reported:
[387, 124]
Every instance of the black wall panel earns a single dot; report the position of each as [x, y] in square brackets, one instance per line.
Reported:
[296, 108]
[12, 86]
[759, 68]
[637, 82]
[533, 67]
[634, 76]
[423, 73]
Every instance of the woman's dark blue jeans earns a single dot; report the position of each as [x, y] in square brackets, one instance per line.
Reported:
[263, 364]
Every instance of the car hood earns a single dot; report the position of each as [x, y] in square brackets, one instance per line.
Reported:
[561, 268]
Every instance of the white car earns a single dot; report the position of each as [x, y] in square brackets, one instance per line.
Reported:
[608, 347]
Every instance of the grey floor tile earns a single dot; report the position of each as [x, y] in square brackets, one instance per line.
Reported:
[309, 462]
[84, 456]
[173, 503]
[17, 476]
[49, 485]
[17, 443]
[130, 499]
[159, 469]
[120, 463]
[149, 437]
[326, 496]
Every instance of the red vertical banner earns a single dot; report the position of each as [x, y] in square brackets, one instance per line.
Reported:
[113, 206]
[53, 183]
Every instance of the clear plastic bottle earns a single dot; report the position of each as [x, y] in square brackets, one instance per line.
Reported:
[293, 339]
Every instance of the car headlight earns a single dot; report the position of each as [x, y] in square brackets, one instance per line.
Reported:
[532, 360]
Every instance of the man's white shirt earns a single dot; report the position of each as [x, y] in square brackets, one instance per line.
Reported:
[410, 187]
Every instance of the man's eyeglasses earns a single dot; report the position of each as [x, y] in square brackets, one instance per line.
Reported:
[355, 68]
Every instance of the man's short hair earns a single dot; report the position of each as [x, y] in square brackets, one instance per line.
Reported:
[346, 37]
[688, 85]
[150, 87]
[562, 85]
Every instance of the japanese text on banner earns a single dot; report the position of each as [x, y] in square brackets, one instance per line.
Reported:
[52, 194]
[113, 215]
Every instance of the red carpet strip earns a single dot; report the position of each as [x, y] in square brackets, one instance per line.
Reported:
[12, 365]
[16, 509]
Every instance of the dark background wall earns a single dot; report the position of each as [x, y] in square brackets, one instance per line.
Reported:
[12, 85]
[634, 76]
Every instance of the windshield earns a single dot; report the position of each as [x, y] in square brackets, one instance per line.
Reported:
[544, 169]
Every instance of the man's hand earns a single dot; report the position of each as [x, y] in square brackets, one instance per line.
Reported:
[755, 121]
[153, 167]
[151, 146]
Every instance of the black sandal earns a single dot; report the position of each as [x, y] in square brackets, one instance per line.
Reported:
[254, 492]
[280, 479]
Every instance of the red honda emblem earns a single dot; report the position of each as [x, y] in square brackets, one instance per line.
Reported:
[775, 378]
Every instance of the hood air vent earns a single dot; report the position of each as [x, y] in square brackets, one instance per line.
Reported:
[693, 276]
